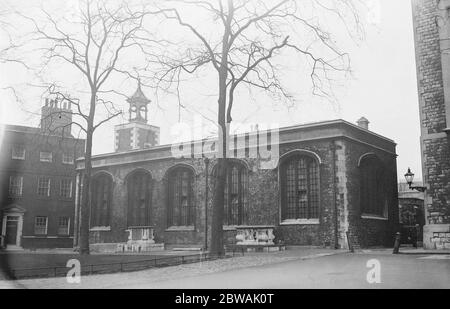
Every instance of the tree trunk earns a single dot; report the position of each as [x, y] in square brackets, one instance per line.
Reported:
[86, 201]
[86, 191]
[217, 245]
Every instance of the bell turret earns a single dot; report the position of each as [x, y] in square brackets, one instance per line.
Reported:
[138, 106]
[137, 133]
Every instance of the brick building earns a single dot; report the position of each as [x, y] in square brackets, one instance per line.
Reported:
[37, 181]
[432, 33]
[331, 179]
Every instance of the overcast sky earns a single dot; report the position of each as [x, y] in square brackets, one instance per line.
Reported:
[383, 89]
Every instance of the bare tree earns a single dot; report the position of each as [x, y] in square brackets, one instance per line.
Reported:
[241, 45]
[92, 46]
[5, 33]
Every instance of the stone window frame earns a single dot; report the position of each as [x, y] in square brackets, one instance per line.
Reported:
[95, 220]
[68, 158]
[46, 156]
[384, 207]
[44, 184]
[130, 180]
[66, 230]
[188, 222]
[41, 229]
[15, 155]
[243, 193]
[66, 186]
[12, 186]
[285, 158]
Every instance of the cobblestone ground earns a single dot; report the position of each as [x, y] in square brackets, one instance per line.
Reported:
[135, 279]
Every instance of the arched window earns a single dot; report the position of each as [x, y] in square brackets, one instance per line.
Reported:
[139, 186]
[373, 187]
[299, 188]
[101, 198]
[235, 195]
[181, 211]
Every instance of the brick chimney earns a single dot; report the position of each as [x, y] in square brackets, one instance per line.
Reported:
[56, 117]
[363, 123]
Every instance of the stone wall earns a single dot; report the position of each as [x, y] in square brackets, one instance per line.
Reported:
[367, 231]
[158, 214]
[336, 145]
[321, 234]
[338, 200]
[431, 24]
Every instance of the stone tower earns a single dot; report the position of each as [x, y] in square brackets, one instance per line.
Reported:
[431, 31]
[137, 133]
[56, 118]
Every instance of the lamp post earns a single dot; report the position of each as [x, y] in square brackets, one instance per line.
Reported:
[409, 176]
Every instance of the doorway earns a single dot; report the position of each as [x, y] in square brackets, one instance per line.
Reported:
[12, 226]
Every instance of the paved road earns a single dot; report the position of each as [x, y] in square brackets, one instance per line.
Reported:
[339, 271]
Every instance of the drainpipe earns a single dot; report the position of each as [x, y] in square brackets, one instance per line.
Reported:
[335, 202]
[206, 201]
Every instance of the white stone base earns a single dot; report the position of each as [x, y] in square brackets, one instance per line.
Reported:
[259, 248]
[436, 237]
[109, 248]
[255, 235]
[139, 247]
[13, 248]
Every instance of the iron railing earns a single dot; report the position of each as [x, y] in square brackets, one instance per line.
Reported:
[117, 267]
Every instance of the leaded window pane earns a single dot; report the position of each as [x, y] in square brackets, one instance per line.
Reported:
[139, 199]
[300, 188]
[235, 194]
[181, 208]
[101, 200]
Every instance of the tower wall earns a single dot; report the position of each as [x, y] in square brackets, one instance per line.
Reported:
[135, 136]
[431, 30]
